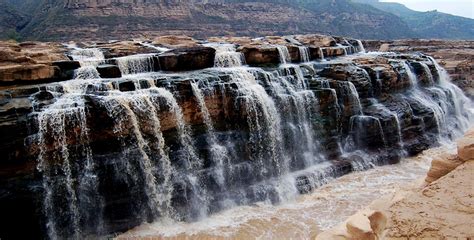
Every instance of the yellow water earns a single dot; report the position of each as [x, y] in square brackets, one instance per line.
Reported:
[306, 215]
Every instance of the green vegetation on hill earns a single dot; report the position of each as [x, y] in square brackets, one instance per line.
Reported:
[10, 20]
[430, 24]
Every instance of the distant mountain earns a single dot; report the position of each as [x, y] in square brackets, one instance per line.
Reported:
[10, 20]
[117, 19]
[432, 24]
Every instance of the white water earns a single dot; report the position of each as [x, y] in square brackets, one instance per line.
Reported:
[226, 55]
[263, 120]
[219, 154]
[58, 178]
[284, 54]
[321, 54]
[89, 58]
[134, 64]
[303, 217]
[360, 46]
[304, 53]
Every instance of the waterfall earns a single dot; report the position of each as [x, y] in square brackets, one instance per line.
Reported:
[136, 64]
[298, 119]
[359, 133]
[459, 100]
[360, 46]
[321, 54]
[344, 48]
[179, 146]
[428, 73]
[263, 120]
[354, 95]
[284, 54]
[397, 121]
[58, 178]
[218, 153]
[226, 56]
[89, 58]
[411, 75]
[86, 72]
[304, 53]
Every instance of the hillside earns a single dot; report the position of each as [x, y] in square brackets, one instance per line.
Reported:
[10, 19]
[113, 19]
[430, 24]
[79, 19]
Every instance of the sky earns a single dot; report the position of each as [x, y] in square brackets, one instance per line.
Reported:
[463, 8]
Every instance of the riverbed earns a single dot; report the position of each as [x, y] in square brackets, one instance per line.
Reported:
[306, 215]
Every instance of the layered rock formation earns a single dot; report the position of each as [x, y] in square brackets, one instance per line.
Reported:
[440, 209]
[457, 57]
[29, 61]
[183, 129]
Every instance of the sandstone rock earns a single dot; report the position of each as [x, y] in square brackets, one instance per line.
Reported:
[186, 59]
[178, 41]
[234, 40]
[442, 165]
[333, 51]
[466, 147]
[258, 55]
[20, 73]
[316, 40]
[367, 225]
[122, 48]
[66, 69]
[109, 71]
[364, 225]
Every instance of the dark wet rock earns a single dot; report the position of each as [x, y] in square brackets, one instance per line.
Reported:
[260, 55]
[186, 59]
[109, 71]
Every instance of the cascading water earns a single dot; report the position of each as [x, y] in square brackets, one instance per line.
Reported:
[136, 64]
[226, 56]
[89, 58]
[84, 208]
[321, 54]
[284, 54]
[360, 46]
[183, 146]
[304, 53]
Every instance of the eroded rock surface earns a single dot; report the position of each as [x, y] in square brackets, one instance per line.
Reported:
[442, 208]
[457, 57]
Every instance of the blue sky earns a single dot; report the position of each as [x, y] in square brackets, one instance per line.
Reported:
[463, 8]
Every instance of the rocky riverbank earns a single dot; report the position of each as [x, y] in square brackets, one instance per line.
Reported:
[440, 207]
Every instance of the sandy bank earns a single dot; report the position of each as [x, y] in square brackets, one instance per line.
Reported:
[442, 207]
